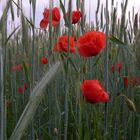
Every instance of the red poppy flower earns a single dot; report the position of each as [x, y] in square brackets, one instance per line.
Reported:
[55, 17]
[55, 14]
[119, 67]
[17, 68]
[134, 81]
[54, 23]
[112, 68]
[94, 92]
[91, 43]
[44, 60]
[46, 13]
[76, 15]
[20, 90]
[44, 23]
[62, 44]
[25, 86]
[126, 81]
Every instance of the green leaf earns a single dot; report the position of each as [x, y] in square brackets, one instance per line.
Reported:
[11, 34]
[136, 24]
[26, 71]
[36, 97]
[12, 12]
[25, 35]
[64, 13]
[4, 15]
[116, 40]
[63, 55]
[121, 44]
[97, 60]
[73, 64]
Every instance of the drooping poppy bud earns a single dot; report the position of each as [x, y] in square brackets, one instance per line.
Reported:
[131, 105]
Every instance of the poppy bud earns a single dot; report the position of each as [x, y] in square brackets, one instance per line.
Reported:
[55, 132]
[131, 105]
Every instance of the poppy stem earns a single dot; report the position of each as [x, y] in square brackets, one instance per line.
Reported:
[66, 110]
[67, 69]
[32, 137]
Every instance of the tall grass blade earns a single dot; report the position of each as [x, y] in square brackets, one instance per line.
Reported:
[136, 24]
[97, 10]
[35, 99]
[11, 34]
[64, 13]
[106, 70]
[4, 15]
[1, 95]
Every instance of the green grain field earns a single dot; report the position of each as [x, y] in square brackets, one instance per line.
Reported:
[41, 94]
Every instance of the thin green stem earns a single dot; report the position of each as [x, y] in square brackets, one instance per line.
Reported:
[106, 68]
